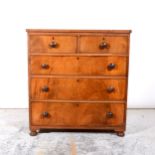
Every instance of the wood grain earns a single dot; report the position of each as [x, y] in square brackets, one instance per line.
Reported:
[78, 89]
[116, 44]
[70, 83]
[77, 114]
[78, 65]
[41, 44]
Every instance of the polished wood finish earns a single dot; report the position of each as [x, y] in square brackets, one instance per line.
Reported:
[78, 88]
[78, 79]
[103, 44]
[52, 44]
[87, 114]
[78, 65]
[45, 31]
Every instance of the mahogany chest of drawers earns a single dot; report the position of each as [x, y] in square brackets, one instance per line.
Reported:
[78, 79]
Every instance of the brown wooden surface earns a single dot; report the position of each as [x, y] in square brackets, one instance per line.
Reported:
[77, 114]
[78, 88]
[90, 44]
[41, 44]
[78, 65]
[77, 78]
[38, 31]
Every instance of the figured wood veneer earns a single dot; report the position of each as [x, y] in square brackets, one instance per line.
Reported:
[115, 44]
[78, 65]
[78, 88]
[87, 114]
[41, 43]
[78, 79]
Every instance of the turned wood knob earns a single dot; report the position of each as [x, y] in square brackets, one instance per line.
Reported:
[44, 66]
[111, 66]
[45, 89]
[103, 45]
[110, 89]
[45, 114]
[110, 114]
[53, 44]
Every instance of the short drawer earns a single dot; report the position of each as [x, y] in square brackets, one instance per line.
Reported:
[101, 44]
[52, 44]
[77, 114]
[78, 65]
[73, 88]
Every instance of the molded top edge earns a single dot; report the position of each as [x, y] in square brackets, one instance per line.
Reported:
[77, 31]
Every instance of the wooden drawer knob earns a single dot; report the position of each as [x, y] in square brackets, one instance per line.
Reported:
[110, 89]
[109, 115]
[45, 89]
[45, 114]
[53, 44]
[44, 66]
[111, 66]
[103, 45]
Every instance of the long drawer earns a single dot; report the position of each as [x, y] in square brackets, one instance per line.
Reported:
[78, 65]
[78, 88]
[77, 114]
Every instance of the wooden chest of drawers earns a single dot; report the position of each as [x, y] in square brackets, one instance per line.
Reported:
[78, 79]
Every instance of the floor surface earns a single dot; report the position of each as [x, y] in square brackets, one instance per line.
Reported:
[15, 140]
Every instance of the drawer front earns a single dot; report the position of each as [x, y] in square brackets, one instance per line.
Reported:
[101, 44]
[51, 44]
[72, 88]
[81, 65]
[77, 114]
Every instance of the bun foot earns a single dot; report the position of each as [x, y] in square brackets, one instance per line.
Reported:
[33, 133]
[120, 134]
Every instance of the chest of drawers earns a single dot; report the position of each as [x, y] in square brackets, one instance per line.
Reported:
[78, 79]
